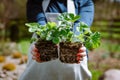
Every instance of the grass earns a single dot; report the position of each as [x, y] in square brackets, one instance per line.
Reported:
[96, 74]
[24, 46]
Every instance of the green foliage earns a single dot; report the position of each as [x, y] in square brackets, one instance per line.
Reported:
[65, 17]
[63, 32]
[24, 46]
[45, 32]
[96, 74]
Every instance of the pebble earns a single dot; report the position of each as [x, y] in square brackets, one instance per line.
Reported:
[2, 75]
[12, 75]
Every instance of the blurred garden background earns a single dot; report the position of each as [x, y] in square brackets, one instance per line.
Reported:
[15, 39]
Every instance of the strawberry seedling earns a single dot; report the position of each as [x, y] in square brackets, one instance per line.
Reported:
[51, 34]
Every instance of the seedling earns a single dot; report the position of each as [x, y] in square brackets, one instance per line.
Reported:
[64, 35]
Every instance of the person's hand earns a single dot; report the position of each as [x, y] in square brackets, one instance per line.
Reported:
[35, 54]
[81, 53]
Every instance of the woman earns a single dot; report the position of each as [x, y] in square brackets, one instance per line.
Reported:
[55, 70]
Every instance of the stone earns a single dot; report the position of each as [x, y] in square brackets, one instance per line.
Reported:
[112, 74]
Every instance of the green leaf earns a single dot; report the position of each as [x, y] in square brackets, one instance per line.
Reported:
[34, 24]
[71, 16]
[96, 39]
[77, 17]
[32, 40]
[48, 38]
[89, 44]
[82, 25]
[93, 41]
[51, 25]
[56, 40]
[32, 29]
[87, 31]
[95, 36]
[38, 33]
[81, 37]
[69, 36]
[62, 17]
[63, 32]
